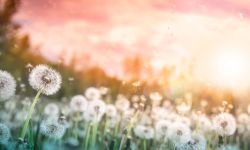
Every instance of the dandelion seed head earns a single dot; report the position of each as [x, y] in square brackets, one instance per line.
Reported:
[224, 124]
[179, 133]
[144, 132]
[197, 142]
[161, 129]
[45, 79]
[78, 103]
[122, 104]
[228, 147]
[4, 134]
[111, 110]
[92, 93]
[51, 109]
[51, 128]
[97, 106]
[7, 85]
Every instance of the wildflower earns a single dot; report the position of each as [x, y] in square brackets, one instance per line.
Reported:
[179, 133]
[90, 116]
[198, 142]
[92, 93]
[144, 132]
[204, 123]
[4, 134]
[7, 85]
[78, 103]
[97, 106]
[111, 110]
[183, 108]
[51, 109]
[43, 78]
[161, 129]
[228, 147]
[224, 124]
[156, 98]
[122, 104]
[46, 81]
[52, 129]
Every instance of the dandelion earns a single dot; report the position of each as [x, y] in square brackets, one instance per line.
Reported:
[111, 110]
[52, 129]
[78, 103]
[4, 134]
[156, 98]
[183, 108]
[161, 129]
[198, 142]
[97, 106]
[228, 147]
[51, 109]
[179, 133]
[224, 124]
[7, 85]
[44, 79]
[144, 132]
[122, 104]
[203, 123]
[92, 93]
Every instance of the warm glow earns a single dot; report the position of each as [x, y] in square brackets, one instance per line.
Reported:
[230, 68]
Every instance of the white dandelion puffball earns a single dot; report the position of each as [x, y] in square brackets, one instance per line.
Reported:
[224, 124]
[228, 147]
[78, 103]
[122, 104]
[97, 106]
[4, 134]
[7, 85]
[198, 142]
[179, 133]
[161, 129]
[51, 128]
[90, 116]
[155, 96]
[144, 132]
[92, 93]
[204, 124]
[45, 79]
[111, 110]
[51, 109]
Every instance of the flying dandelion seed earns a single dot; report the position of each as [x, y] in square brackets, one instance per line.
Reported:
[7, 85]
[44, 79]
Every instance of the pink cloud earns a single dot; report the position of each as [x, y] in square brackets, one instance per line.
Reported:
[110, 30]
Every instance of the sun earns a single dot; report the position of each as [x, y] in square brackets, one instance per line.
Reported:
[230, 68]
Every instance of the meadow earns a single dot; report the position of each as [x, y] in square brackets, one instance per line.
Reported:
[91, 121]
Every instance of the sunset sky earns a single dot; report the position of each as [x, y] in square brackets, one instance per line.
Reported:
[162, 31]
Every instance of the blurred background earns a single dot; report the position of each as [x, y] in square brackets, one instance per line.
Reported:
[197, 48]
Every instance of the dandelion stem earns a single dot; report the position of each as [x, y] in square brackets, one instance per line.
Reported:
[122, 141]
[26, 124]
[87, 137]
[93, 140]
[144, 144]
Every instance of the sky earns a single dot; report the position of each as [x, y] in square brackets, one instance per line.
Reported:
[162, 31]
